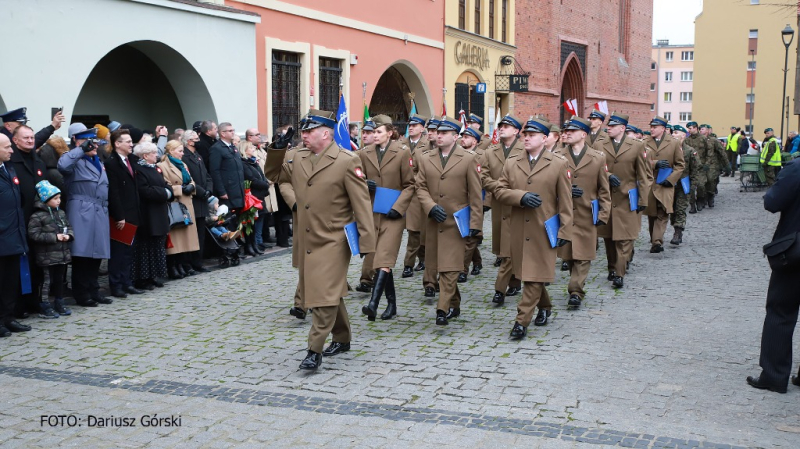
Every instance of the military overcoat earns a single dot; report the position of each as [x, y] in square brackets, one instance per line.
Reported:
[415, 220]
[630, 165]
[670, 151]
[494, 159]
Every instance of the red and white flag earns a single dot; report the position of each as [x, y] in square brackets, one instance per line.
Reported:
[571, 106]
[602, 106]
[496, 132]
[462, 116]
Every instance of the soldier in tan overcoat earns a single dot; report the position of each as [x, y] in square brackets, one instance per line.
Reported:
[184, 239]
[597, 137]
[589, 182]
[447, 181]
[367, 272]
[627, 162]
[553, 141]
[470, 138]
[417, 143]
[387, 164]
[667, 153]
[331, 192]
[476, 122]
[430, 281]
[496, 155]
[536, 185]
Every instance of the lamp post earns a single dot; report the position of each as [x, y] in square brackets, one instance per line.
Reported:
[786, 33]
[752, 83]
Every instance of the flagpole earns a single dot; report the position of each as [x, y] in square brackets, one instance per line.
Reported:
[444, 101]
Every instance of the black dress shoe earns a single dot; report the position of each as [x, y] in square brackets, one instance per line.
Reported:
[420, 266]
[364, 288]
[200, 269]
[611, 275]
[497, 262]
[441, 318]
[86, 303]
[118, 293]
[16, 326]
[173, 273]
[462, 277]
[407, 272]
[618, 282]
[574, 302]
[102, 300]
[298, 313]
[499, 298]
[145, 286]
[157, 283]
[476, 270]
[312, 361]
[4, 332]
[430, 292]
[564, 266]
[656, 248]
[796, 380]
[518, 332]
[541, 317]
[453, 313]
[756, 382]
[188, 270]
[133, 290]
[22, 315]
[513, 291]
[336, 348]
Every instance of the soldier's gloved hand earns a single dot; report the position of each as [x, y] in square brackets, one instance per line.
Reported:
[614, 181]
[640, 209]
[561, 242]
[88, 146]
[662, 164]
[371, 185]
[281, 141]
[665, 183]
[600, 223]
[393, 214]
[474, 232]
[531, 200]
[486, 208]
[187, 189]
[438, 214]
[294, 207]
[577, 192]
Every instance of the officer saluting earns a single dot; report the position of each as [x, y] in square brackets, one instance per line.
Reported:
[669, 155]
[536, 185]
[331, 191]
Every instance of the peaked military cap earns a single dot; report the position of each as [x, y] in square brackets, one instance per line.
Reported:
[317, 118]
[382, 120]
[597, 114]
[474, 118]
[369, 125]
[90, 133]
[433, 123]
[473, 133]
[17, 115]
[512, 121]
[555, 129]
[416, 118]
[618, 119]
[659, 121]
[537, 125]
[630, 127]
[580, 124]
[449, 124]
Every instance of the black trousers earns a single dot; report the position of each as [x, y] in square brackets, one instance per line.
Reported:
[783, 302]
[9, 287]
[196, 258]
[57, 275]
[120, 265]
[84, 278]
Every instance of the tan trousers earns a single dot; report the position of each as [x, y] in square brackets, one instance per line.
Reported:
[326, 320]
[544, 302]
[449, 296]
[472, 254]
[505, 276]
[429, 277]
[658, 225]
[532, 293]
[618, 253]
[412, 249]
[367, 272]
[579, 271]
[298, 301]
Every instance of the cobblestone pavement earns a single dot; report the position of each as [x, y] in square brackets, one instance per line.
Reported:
[660, 363]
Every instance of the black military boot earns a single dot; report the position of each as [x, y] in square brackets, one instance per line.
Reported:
[391, 299]
[710, 201]
[677, 236]
[371, 309]
[692, 207]
[701, 201]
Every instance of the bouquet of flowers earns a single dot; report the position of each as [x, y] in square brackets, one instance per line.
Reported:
[250, 211]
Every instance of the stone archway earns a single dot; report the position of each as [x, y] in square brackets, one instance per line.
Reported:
[3, 108]
[145, 83]
[391, 97]
[572, 85]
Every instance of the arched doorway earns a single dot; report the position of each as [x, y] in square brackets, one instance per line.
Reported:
[572, 85]
[2, 105]
[145, 83]
[467, 98]
[391, 94]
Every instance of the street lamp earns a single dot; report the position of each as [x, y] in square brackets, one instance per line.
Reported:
[752, 83]
[786, 33]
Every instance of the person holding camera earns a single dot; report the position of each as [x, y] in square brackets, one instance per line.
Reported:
[87, 211]
[184, 238]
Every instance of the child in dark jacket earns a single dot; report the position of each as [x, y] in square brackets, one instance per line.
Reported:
[51, 234]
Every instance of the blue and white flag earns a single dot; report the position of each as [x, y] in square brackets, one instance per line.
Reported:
[342, 133]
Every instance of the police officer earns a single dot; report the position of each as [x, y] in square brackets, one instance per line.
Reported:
[331, 192]
[681, 199]
[447, 181]
[669, 155]
[596, 119]
[496, 155]
[415, 220]
[770, 156]
[705, 153]
[470, 141]
[536, 185]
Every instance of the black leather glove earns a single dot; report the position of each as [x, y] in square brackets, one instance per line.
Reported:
[438, 214]
[662, 164]
[371, 185]
[531, 200]
[187, 189]
[640, 209]
[474, 232]
[88, 146]
[393, 214]
[577, 192]
[294, 207]
[486, 208]
[600, 223]
[665, 183]
[281, 141]
[614, 181]
[561, 242]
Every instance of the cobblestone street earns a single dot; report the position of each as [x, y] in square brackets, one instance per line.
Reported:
[661, 363]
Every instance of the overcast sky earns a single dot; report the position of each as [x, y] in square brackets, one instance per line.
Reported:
[674, 20]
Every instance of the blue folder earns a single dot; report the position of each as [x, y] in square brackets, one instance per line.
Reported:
[687, 186]
[351, 232]
[663, 174]
[24, 274]
[551, 227]
[595, 210]
[483, 195]
[384, 200]
[462, 221]
[633, 197]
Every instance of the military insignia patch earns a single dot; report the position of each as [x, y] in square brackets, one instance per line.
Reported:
[359, 173]
[569, 174]
[479, 168]
[606, 165]
[410, 162]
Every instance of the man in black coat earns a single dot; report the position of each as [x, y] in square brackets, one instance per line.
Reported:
[123, 209]
[783, 302]
[226, 169]
[17, 117]
[208, 137]
[196, 164]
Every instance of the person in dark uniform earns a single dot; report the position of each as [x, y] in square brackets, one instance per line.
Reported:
[17, 117]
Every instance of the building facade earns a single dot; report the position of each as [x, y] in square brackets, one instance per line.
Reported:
[591, 51]
[740, 60]
[307, 51]
[671, 81]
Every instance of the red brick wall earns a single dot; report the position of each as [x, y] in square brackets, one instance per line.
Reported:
[542, 25]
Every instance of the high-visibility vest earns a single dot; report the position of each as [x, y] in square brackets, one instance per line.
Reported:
[775, 160]
[733, 142]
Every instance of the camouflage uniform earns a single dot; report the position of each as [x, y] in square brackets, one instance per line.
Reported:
[681, 200]
[704, 184]
[719, 164]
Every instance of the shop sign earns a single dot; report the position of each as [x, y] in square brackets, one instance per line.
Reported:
[472, 55]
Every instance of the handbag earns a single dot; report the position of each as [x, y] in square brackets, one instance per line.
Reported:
[179, 216]
[783, 252]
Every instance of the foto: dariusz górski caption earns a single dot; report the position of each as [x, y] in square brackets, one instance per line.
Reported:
[109, 421]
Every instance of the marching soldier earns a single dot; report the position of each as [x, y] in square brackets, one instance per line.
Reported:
[470, 139]
[367, 273]
[719, 163]
[705, 153]
[367, 134]
[553, 141]
[447, 181]
[669, 155]
[430, 283]
[388, 164]
[770, 156]
[535, 184]
[597, 137]
[415, 221]
[475, 123]
[496, 155]
[681, 201]
[331, 192]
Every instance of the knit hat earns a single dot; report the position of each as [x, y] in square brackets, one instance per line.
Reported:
[46, 191]
[136, 134]
[102, 131]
